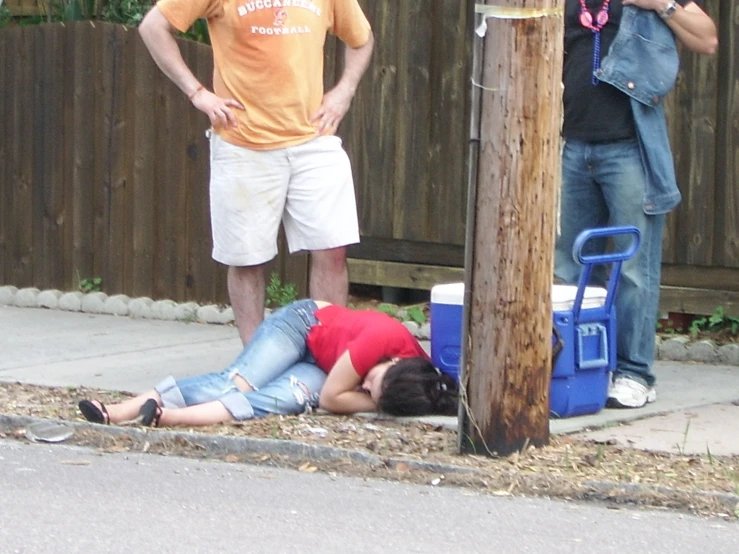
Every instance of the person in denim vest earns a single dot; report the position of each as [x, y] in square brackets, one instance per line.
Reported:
[305, 355]
[620, 61]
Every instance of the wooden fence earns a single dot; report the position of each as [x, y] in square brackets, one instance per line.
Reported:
[105, 166]
[106, 173]
[701, 261]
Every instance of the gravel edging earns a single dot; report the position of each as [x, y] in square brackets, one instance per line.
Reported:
[678, 348]
[294, 454]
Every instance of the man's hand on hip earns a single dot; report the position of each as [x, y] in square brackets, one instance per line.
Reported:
[336, 103]
[219, 110]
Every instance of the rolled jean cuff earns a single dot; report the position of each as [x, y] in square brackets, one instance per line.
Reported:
[646, 379]
[238, 405]
[170, 394]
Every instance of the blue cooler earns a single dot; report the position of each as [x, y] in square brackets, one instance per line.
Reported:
[447, 302]
[584, 326]
[581, 370]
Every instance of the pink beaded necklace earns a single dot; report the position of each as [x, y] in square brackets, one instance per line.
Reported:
[595, 25]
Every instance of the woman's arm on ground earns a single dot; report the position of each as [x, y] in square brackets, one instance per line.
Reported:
[339, 393]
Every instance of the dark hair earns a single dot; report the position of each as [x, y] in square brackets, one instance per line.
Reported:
[413, 386]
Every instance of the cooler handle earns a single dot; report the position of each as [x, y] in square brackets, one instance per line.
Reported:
[587, 331]
[615, 258]
[610, 257]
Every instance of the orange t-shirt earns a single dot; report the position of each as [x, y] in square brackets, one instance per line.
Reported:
[268, 55]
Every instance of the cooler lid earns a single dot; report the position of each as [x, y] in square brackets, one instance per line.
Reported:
[449, 293]
[563, 297]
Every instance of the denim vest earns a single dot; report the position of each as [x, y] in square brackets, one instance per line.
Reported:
[643, 63]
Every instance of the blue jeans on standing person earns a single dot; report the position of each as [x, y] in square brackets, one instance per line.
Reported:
[276, 363]
[604, 184]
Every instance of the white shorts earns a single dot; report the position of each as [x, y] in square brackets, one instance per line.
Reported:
[308, 187]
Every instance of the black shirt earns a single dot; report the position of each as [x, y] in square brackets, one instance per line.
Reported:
[593, 113]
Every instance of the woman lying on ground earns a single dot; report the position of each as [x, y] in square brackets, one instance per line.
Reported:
[305, 355]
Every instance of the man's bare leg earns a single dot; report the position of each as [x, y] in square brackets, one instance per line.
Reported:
[329, 276]
[246, 288]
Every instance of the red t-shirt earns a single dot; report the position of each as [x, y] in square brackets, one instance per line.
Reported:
[369, 336]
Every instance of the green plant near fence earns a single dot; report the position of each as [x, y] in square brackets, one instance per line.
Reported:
[718, 321]
[409, 313]
[91, 284]
[124, 12]
[5, 16]
[279, 294]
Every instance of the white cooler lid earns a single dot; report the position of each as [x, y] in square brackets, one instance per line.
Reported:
[563, 297]
[449, 293]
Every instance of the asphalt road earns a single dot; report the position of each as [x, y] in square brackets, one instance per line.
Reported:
[57, 498]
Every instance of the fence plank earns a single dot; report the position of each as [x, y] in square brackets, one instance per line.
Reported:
[5, 124]
[394, 274]
[100, 181]
[116, 222]
[122, 177]
[727, 174]
[700, 277]
[144, 170]
[698, 301]
[170, 203]
[21, 156]
[205, 279]
[412, 180]
[84, 137]
[369, 127]
[446, 158]
[48, 125]
[67, 281]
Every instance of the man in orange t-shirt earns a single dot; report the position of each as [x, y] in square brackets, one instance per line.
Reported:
[274, 155]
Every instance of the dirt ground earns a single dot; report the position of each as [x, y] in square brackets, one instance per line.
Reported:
[566, 468]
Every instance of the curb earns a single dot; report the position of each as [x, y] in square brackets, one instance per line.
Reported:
[678, 348]
[283, 453]
[217, 444]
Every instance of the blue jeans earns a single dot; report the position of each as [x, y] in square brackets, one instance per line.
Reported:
[276, 363]
[604, 184]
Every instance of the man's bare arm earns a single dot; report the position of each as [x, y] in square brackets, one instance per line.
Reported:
[158, 36]
[691, 25]
[337, 101]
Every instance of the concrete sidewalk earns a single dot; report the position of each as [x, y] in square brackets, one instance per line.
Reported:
[697, 409]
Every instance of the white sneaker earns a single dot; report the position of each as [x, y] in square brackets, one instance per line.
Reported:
[624, 392]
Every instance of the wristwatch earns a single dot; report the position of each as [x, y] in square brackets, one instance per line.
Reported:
[669, 10]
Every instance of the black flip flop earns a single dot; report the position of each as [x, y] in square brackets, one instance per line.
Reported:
[150, 413]
[94, 414]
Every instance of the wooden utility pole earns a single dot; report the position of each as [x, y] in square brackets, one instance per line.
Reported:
[515, 174]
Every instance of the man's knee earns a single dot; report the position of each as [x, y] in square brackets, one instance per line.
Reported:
[333, 259]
